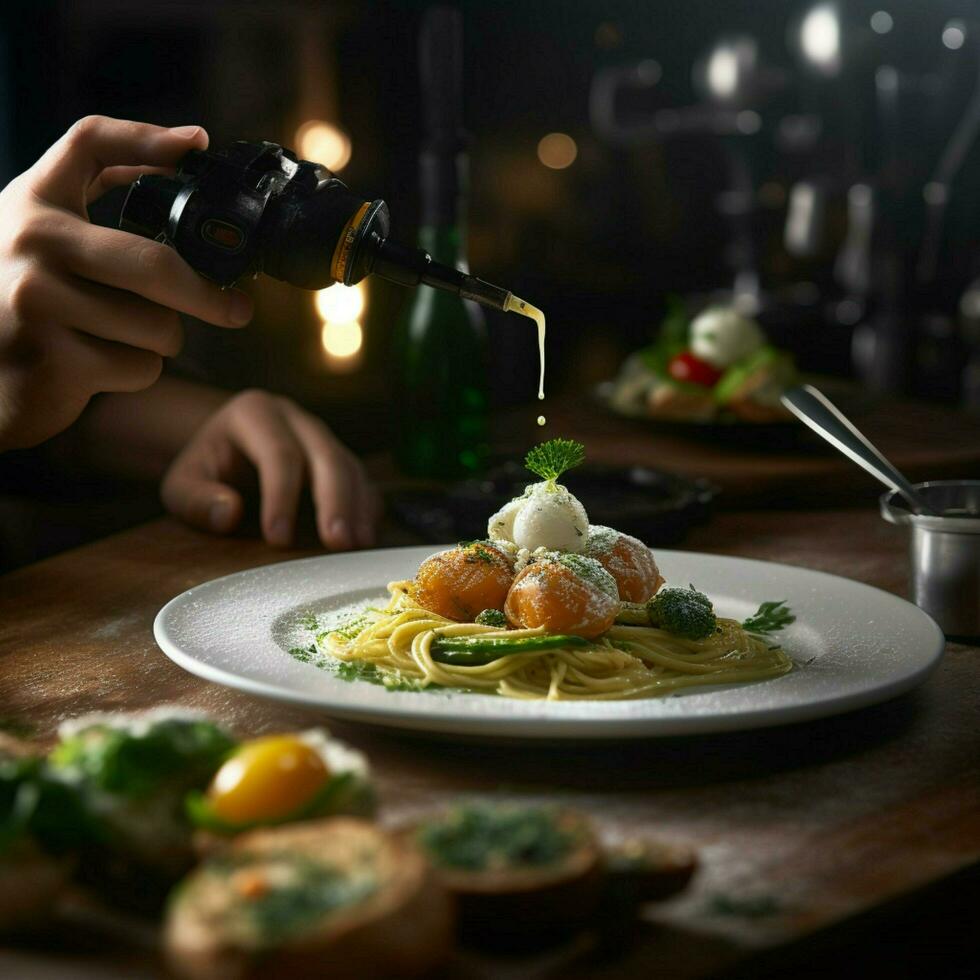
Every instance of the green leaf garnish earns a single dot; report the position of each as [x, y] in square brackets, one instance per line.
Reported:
[554, 457]
[313, 893]
[305, 655]
[359, 670]
[350, 629]
[135, 761]
[478, 837]
[35, 803]
[343, 793]
[770, 618]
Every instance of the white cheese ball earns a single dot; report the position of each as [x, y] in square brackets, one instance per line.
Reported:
[500, 527]
[721, 336]
[550, 517]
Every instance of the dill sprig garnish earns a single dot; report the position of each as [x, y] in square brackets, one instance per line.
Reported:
[554, 457]
[769, 618]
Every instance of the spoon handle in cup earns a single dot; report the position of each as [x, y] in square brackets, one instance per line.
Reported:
[817, 411]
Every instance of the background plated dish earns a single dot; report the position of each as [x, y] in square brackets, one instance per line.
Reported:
[853, 645]
[854, 400]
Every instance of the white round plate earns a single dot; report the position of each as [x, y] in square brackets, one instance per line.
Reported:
[852, 645]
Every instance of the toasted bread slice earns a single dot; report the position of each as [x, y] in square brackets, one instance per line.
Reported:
[518, 903]
[649, 870]
[334, 898]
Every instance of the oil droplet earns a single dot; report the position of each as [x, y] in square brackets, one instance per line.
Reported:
[541, 420]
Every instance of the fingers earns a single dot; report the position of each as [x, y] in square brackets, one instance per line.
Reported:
[284, 443]
[369, 508]
[190, 492]
[108, 366]
[152, 270]
[262, 434]
[117, 177]
[341, 494]
[111, 314]
[66, 170]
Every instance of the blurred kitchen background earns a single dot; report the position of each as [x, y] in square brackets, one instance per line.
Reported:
[818, 159]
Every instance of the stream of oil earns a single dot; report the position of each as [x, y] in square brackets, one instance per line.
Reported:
[517, 305]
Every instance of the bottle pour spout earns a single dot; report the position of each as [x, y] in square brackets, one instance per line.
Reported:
[411, 266]
[468, 287]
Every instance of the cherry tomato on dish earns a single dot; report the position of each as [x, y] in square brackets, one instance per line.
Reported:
[686, 367]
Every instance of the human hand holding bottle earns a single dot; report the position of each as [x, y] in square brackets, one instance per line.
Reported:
[85, 309]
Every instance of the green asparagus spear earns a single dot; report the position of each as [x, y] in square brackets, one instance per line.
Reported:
[475, 651]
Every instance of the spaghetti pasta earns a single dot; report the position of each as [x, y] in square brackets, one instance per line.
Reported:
[624, 662]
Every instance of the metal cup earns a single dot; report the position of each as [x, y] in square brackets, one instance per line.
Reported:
[945, 552]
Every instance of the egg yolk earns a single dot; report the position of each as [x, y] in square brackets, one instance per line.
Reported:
[267, 779]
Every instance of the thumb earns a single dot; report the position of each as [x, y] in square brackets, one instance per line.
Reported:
[63, 175]
[203, 503]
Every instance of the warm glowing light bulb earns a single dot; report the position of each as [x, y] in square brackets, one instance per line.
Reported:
[820, 37]
[339, 302]
[342, 339]
[323, 142]
[557, 150]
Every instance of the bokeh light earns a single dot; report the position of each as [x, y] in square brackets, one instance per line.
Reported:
[954, 35]
[748, 122]
[339, 308]
[820, 37]
[325, 143]
[342, 338]
[728, 73]
[339, 302]
[882, 22]
[722, 72]
[557, 150]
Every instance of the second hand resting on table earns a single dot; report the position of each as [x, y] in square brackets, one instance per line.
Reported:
[288, 447]
[205, 445]
[87, 311]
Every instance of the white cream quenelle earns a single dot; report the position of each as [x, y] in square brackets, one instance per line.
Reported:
[721, 336]
[546, 516]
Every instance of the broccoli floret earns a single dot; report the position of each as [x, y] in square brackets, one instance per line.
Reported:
[686, 612]
[492, 617]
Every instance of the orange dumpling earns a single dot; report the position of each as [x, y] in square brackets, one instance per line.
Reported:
[628, 560]
[564, 593]
[461, 582]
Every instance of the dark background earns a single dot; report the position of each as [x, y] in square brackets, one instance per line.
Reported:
[599, 245]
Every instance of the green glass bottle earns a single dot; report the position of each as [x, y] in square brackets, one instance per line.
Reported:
[441, 349]
[441, 394]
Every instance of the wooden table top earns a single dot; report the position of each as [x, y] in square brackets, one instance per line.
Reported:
[803, 831]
